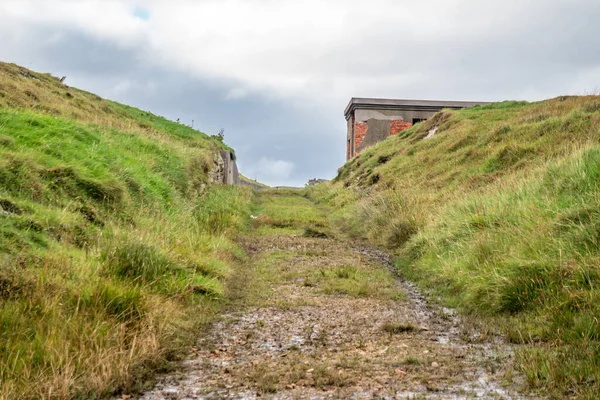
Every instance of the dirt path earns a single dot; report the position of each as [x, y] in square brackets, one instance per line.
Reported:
[321, 319]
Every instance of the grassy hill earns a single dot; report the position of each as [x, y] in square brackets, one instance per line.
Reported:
[499, 214]
[251, 182]
[111, 238]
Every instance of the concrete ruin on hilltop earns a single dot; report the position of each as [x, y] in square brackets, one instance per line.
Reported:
[373, 120]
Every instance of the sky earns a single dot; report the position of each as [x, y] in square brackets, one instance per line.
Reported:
[276, 75]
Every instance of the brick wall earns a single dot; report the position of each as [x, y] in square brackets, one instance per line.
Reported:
[398, 126]
[360, 131]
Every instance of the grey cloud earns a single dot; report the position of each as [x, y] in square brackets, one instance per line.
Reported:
[256, 126]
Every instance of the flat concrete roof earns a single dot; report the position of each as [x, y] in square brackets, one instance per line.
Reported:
[402, 104]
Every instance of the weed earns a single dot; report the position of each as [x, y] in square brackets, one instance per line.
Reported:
[138, 262]
[265, 380]
[325, 376]
[384, 158]
[394, 328]
[346, 272]
[411, 361]
[315, 233]
[122, 303]
[9, 207]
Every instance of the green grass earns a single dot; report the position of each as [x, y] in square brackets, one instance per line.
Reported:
[498, 215]
[257, 184]
[344, 274]
[25, 90]
[114, 245]
[286, 209]
[411, 361]
[356, 282]
[316, 233]
[394, 328]
[531, 252]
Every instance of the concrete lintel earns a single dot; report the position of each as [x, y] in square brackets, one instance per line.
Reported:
[405, 105]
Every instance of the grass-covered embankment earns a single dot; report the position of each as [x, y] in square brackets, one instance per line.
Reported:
[499, 214]
[113, 243]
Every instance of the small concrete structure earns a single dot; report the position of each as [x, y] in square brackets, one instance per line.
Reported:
[224, 170]
[231, 175]
[373, 120]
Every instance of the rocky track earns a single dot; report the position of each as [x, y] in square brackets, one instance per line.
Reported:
[318, 329]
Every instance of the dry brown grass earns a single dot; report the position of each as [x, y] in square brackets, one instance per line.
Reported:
[43, 93]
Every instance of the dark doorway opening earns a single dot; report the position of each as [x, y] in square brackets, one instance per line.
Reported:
[417, 120]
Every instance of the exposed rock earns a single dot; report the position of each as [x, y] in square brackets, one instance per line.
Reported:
[224, 169]
[431, 133]
[217, 173]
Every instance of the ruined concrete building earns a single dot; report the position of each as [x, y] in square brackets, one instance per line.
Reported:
[225, 169]
[373, 120]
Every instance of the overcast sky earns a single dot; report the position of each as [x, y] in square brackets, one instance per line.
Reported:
[277, 74]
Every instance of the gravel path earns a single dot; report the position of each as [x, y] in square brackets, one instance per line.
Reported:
[309, 340]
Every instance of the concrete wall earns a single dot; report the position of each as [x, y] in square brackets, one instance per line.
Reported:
[367, 127]
[225, 170]
[231, 174]
[375, 130]
[391, 115]
[350, 138]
